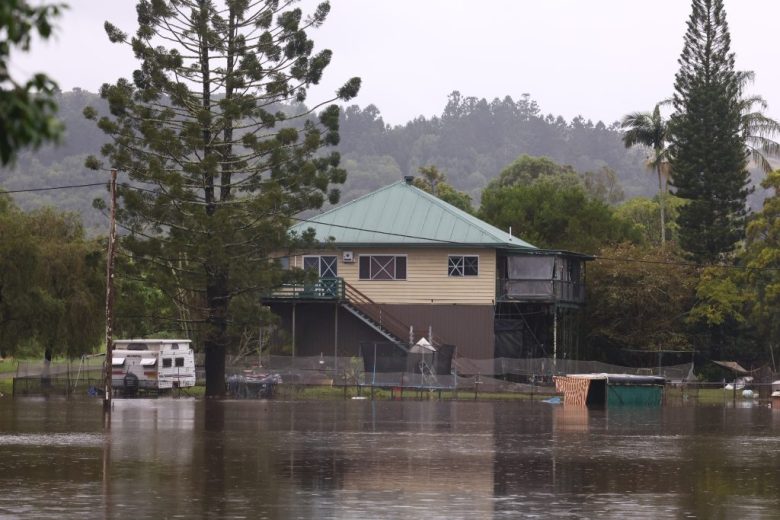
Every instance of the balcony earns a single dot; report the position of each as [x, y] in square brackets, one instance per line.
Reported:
[322, 289]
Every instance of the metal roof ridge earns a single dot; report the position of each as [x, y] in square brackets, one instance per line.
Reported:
[342, 206]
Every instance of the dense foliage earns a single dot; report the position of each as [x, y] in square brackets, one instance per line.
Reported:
[51, 284]
[471, 149]
[27, 107]
[709, 166]
[638, 298]
[554, 207]
[217, 163]
[215, 169]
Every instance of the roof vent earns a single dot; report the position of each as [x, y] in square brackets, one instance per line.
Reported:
[408, 179]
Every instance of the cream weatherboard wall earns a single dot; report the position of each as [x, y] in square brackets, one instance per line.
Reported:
[427, 279]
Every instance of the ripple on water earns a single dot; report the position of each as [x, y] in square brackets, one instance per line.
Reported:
[47, 440]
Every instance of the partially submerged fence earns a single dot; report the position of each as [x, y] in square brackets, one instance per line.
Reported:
[389, 365]
[81, 376]
[62, 386]
[384, 365]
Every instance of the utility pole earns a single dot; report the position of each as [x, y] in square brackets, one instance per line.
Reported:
[110, 296]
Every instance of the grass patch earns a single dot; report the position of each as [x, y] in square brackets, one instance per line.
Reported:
[190, 391]
[711, 395]
[8, 365]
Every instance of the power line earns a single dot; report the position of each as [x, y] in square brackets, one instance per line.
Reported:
[389, 233]
[51, 188]
[685, 264]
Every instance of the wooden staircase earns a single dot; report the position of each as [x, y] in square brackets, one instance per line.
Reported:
[358, 304]
[373, 315]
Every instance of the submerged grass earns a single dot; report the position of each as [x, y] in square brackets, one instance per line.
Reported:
[303, 393]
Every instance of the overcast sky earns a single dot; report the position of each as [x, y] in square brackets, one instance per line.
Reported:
[598, 58]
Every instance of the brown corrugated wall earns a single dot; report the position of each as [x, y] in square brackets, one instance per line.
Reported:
[468, 327]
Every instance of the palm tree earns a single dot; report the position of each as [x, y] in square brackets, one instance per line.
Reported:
[758, 130]
[651, 130]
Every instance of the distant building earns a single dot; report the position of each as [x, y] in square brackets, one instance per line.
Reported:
[399, 264]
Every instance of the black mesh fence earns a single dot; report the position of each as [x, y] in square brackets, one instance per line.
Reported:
[57, 386]
[386, 365]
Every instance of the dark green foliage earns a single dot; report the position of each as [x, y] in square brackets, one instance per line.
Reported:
[27, 108]
[708, 149]
[737, 306]
[652, 131]
[526, 169]
[644, 213]
[219, 152]
[51, 283]
[555, 212]
[435, 182]
[638, 298]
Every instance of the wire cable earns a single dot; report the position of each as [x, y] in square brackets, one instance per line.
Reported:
[52, 188]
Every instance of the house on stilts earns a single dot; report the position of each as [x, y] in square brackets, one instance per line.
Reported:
[399, 264]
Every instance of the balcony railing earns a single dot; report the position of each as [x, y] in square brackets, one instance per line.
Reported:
[539, 290]
[322, 289]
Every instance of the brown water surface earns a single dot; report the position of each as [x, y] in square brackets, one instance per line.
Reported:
[183, 458]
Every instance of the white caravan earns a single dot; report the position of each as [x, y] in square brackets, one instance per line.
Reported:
[152, 364]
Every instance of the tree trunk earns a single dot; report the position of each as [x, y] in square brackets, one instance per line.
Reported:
[661, 203]
[216, 341]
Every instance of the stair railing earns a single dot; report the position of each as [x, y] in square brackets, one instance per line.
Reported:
[376, 312]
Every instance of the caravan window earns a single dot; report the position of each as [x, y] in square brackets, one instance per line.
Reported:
[179, 361]
[148, 362]
[117, 361]
[166, 362]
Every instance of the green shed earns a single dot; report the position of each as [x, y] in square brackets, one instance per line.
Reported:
[600, 390]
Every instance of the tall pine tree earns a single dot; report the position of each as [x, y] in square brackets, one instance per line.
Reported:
[220, 152]
[709, 166]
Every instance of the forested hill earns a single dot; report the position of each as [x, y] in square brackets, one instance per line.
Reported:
[471, 141]
[474, 139]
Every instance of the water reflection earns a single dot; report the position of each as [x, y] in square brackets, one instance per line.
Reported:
[362, 459]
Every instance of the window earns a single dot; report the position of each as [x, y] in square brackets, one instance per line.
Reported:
[166, 362]
[382, 267]
[458, 265]
[324, 266]
[179, 361]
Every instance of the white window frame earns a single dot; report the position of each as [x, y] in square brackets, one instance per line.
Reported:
[462, 266]
[393, 279]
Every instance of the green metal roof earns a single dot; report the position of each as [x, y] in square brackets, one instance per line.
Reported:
[403, 214]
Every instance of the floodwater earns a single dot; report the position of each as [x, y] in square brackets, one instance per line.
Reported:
[181, 458]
